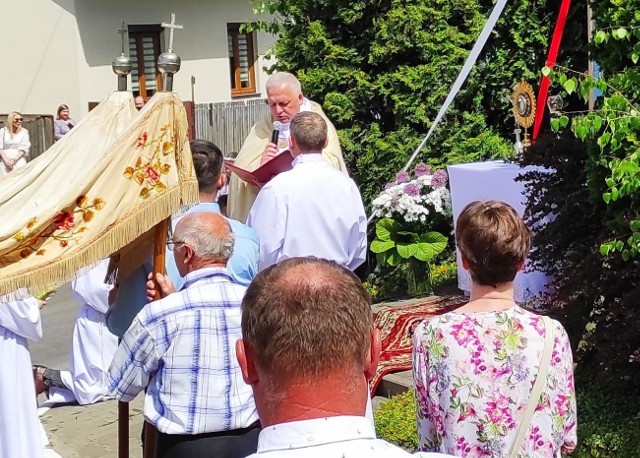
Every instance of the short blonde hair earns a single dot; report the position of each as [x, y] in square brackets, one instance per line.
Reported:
[493, 240]
[309, 131]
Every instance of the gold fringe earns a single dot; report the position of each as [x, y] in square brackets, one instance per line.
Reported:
[121, 233]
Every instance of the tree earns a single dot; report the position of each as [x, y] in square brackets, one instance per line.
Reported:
[382, 69]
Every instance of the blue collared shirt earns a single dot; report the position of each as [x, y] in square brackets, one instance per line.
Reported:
[183, 348]
[132, 294]
[243, 264]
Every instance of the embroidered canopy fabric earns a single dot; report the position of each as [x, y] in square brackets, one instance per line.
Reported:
[116, 175]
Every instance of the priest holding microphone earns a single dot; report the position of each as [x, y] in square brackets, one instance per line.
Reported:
[270, 137]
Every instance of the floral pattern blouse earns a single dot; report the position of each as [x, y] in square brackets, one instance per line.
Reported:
[473, 373]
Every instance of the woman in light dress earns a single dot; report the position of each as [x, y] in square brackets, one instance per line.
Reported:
[14, 144]
[474, 368]
[63, 123]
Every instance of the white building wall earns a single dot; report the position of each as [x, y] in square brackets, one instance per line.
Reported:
[62, 49]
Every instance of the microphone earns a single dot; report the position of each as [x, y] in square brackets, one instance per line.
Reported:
[277, 125]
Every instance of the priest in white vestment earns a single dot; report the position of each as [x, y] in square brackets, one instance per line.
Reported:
[93, 345]
[313, 209]
[285, 98]
[20, 431]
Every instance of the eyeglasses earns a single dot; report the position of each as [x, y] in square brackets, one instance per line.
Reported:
[19, 119]
[172, 245]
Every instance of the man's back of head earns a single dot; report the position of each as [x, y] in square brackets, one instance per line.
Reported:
[308, 133]
[307, 323]
[207, 162]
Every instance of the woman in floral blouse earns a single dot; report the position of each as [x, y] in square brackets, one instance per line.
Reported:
[474, 368]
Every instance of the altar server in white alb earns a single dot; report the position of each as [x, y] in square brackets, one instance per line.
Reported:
[313, 209]
[93, 345]
[20, 432]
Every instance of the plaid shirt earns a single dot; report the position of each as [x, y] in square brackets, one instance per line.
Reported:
[183, 348]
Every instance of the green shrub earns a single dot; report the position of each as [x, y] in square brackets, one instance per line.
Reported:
[396, 421]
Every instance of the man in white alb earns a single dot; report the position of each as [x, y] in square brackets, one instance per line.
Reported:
[285, 98]
[313, 209]
[20, 434]
[308, 349]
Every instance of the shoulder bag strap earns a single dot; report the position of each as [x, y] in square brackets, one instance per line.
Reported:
[538, 386]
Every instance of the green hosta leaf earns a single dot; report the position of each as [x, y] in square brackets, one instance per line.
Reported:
[386, 229]
[406, 250]
[392, 258]
[380, 246]
[570, 85]
[431, 244]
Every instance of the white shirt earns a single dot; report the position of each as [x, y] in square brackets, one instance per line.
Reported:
[311, 210]
[332, 437]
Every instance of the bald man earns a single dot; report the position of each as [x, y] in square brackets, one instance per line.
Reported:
[182, 349]
[286, 99]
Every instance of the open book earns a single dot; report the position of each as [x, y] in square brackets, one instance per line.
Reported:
[264, 173]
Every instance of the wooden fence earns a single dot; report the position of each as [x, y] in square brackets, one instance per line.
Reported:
[227, 124]
[40, 129]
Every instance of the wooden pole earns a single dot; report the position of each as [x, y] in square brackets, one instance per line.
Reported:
[159, 250]
[123, 429]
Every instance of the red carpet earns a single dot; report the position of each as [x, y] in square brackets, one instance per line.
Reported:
[396, 324]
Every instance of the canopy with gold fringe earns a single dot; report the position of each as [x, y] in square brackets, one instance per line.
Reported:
[94, 192]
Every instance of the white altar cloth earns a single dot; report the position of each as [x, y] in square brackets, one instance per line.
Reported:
[494, 180]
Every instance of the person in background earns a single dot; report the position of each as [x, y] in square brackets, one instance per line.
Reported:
[93, 346]
[19, 424]
[14, 144]
[139, 101]
[308, 350]
[313, 209]
[285, 98]
[63, 123]
[474, 368]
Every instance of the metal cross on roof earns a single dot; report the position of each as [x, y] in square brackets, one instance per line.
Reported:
[121, 31]
[171, 26]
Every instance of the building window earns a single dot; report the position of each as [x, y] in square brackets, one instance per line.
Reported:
[241, 60]
[144, 49]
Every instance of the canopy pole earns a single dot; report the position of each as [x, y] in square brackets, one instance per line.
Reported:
[159, 250]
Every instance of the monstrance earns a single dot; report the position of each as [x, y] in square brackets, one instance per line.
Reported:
[524, 109]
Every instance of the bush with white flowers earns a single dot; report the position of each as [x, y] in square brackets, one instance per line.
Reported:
[415, 200]
[412, 213]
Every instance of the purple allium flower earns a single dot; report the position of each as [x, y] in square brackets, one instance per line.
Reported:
[422, 169]
[439, 179]
[389, 185]
[402, 177]
[412, 190]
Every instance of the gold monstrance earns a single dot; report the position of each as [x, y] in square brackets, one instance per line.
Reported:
[524, 110]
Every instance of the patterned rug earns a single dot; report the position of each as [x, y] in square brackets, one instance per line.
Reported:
[397, 323]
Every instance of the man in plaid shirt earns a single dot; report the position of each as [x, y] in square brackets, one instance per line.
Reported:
[182, 349]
